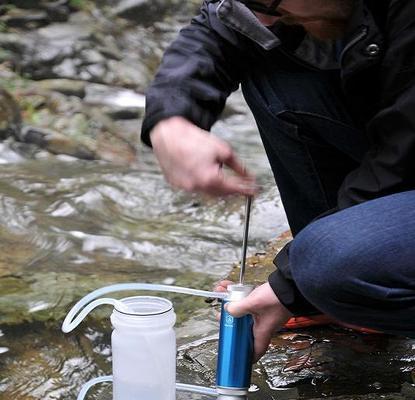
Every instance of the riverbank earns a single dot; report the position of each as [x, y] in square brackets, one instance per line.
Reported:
[76, 72]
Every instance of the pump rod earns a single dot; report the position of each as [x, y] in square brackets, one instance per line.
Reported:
[245, 238]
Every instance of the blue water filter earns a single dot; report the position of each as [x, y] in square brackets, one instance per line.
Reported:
[235, 350]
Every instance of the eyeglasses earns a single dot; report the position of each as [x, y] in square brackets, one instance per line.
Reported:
[263, 8]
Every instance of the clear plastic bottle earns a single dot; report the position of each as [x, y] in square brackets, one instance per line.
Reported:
[144, 350]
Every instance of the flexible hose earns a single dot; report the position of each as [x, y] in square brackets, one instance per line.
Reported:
[70, 326]
[183, 387]
[92, 382]
[72, 320]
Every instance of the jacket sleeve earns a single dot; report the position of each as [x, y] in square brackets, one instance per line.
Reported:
[198, 72]
[389, 165]
[285, 288]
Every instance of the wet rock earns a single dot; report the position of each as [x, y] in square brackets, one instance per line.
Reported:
[119, 103]
[30, 3]
[197, 361]
[142, 11]
[67, 87]
[42, 363]
[260, 265]
[58, 11]
[132, 74]
[408, 391]
[12, 42]
[111, 148]
[75, 50]
[52, 51]
[28, 19]
[32, 15]
[123, 112]
[11, 153]
[10, 118]
[88, 129]
[56, 142]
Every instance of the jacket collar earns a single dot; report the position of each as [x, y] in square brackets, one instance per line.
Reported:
[238, 17]
[352, 50]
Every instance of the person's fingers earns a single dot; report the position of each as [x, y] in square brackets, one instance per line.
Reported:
[222, 286]
[227, 185]
[261, 343]
[229, 158]
[238, 308]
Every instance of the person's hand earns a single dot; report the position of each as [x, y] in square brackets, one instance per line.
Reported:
[192, 159]
[267, 311]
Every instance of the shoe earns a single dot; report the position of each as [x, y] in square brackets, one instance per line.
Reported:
[321, 320]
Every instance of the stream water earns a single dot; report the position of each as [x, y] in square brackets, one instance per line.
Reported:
[70, 226]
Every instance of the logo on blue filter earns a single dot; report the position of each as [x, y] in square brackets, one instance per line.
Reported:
[229, 320]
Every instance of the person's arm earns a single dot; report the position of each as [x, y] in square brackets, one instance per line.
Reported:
[191, 159]
[198, 72]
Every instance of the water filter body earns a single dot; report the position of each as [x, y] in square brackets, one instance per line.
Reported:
[144, 350]
[235, 347]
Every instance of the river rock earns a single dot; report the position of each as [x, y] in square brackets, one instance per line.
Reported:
[10, 118]
[408, 391]
[67, 87]
[28, 19]
[75, 51]
[261, 264]
[142, 11]
[58, 11]
[52, 51]
[34, 14]
[118, 103]
[13, 42]
[57, 143]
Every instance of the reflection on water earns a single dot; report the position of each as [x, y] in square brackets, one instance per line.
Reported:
[86, 208]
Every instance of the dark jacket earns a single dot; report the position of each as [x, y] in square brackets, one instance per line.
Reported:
[224, 42]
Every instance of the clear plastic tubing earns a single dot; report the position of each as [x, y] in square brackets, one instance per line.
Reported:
[179, 386]
[87, 303]
[84, 306]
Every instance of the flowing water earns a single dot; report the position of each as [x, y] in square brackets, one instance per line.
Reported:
[69, 226]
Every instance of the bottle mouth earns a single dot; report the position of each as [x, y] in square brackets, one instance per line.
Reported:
[144, 306]
[238, 291]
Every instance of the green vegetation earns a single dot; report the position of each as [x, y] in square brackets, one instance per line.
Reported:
[81, 4]
[3, 26]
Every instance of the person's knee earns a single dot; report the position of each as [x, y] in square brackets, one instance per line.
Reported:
[321, 265]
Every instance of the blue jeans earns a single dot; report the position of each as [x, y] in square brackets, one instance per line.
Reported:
[357, 265]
